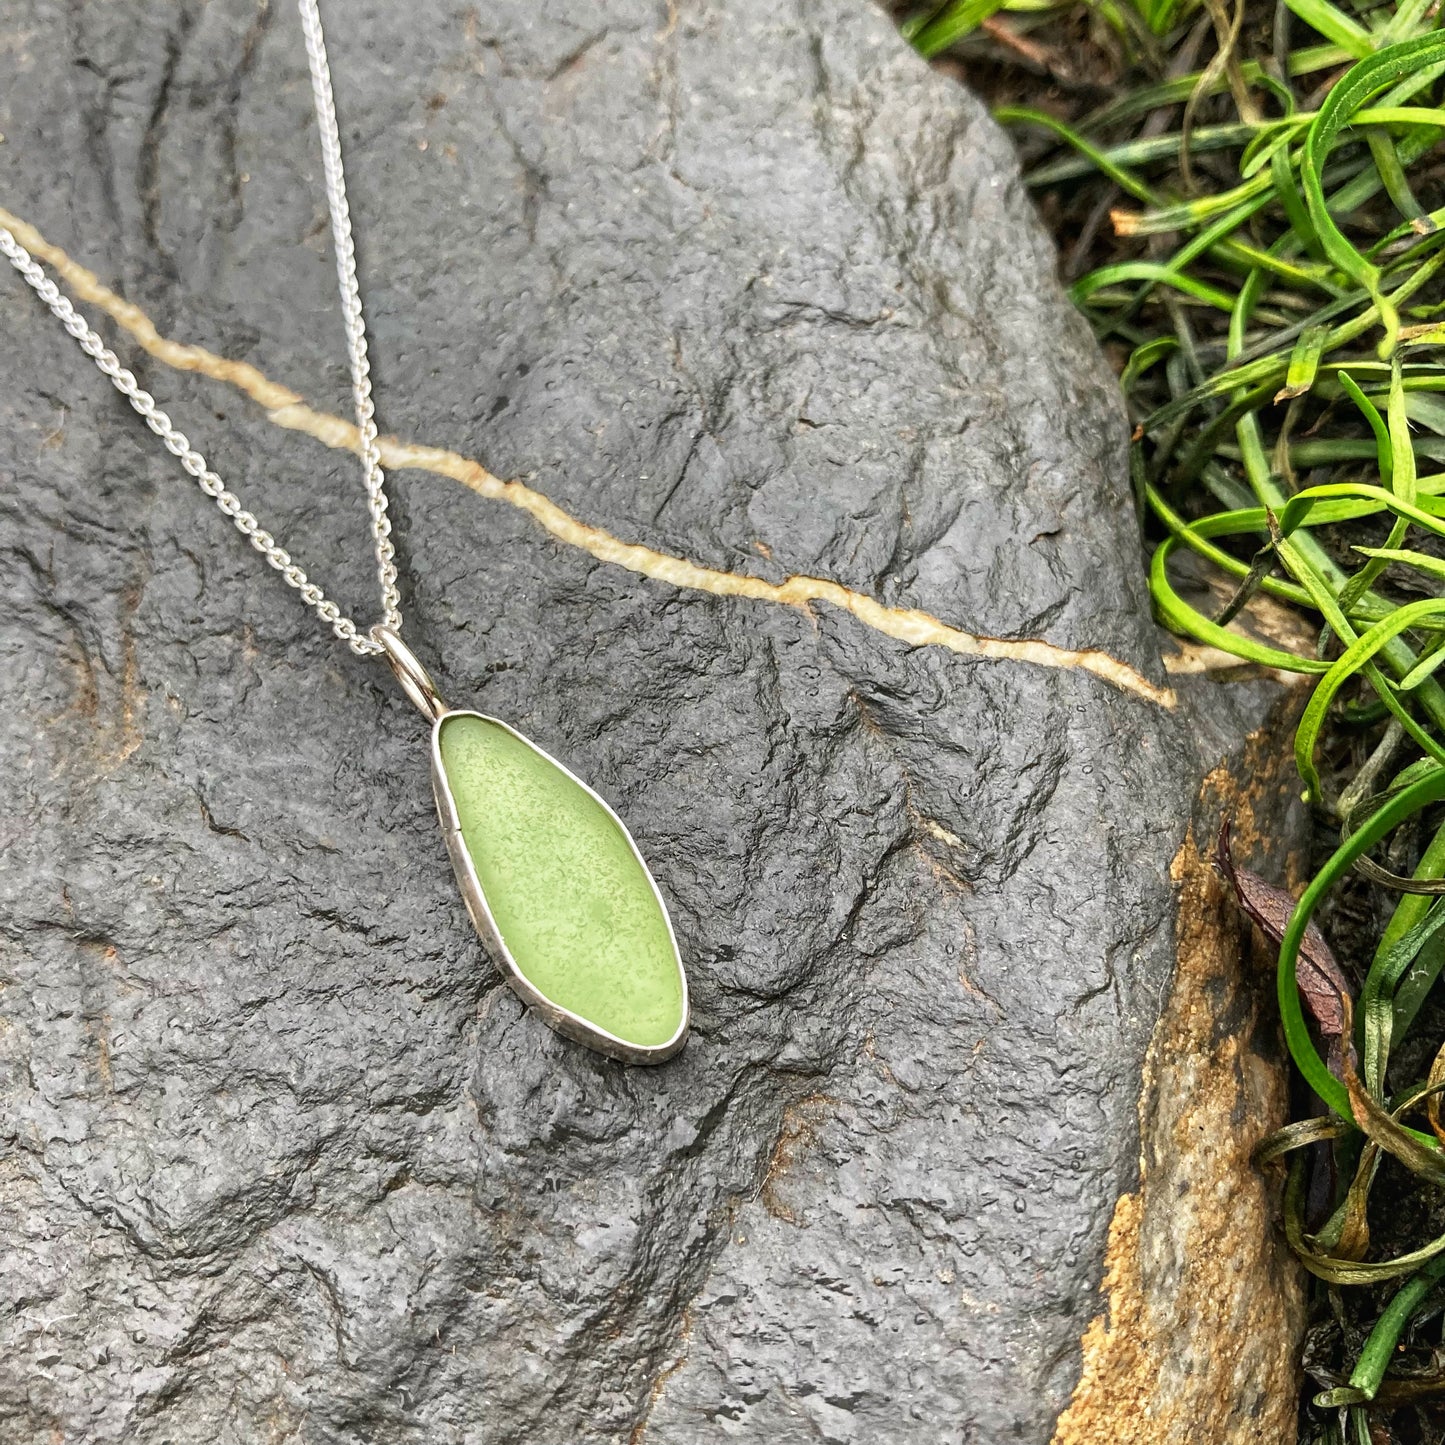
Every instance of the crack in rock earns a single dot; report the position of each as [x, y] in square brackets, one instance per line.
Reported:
[287, 408]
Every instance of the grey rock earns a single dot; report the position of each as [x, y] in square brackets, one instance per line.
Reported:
[740, 282]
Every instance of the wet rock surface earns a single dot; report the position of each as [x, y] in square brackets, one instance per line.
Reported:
[741, 283]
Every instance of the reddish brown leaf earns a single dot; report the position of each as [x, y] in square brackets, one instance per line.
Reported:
[1322, 983]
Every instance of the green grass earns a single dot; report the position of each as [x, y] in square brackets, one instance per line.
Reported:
[1271, 282]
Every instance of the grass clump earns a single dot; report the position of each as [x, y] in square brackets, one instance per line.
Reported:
[1248, 198]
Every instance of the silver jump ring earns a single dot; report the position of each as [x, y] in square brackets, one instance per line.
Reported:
[413, 677]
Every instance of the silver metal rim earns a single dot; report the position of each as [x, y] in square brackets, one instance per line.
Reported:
[563, 1020]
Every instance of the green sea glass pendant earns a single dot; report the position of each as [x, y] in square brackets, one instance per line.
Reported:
[558, 891]
[552, 880]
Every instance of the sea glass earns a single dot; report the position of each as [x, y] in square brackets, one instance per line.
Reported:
[564, 887]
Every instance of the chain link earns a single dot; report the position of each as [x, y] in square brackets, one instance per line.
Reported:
[178, 444]
[325, 106]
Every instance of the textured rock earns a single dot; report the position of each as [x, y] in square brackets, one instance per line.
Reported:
[1194, 1276]
[758, 308]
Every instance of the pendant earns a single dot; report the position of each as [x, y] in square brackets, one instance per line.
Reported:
[552, 880]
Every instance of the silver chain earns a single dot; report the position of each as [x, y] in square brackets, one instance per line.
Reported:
[179, 445]
[325, 106]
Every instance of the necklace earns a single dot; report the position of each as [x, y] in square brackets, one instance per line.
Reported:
[551, 877]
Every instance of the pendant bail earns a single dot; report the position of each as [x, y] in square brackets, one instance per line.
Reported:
[415, 682]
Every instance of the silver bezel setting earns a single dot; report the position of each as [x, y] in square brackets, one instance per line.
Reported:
[564, 1021]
